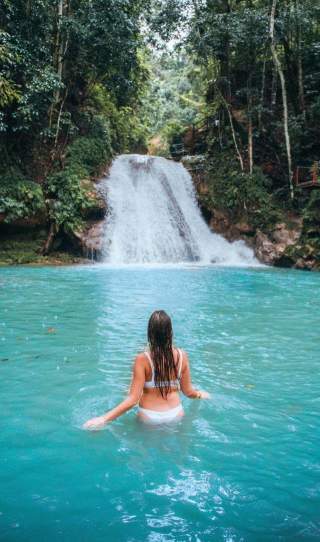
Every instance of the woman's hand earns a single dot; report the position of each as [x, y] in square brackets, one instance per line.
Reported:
[95, 423]
[136, 389]
[203, 395]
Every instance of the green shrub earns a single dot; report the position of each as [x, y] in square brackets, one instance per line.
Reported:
[308, 245]
[93, 151]
[311, 215]
[19, 198]
[89, 153]
[67, 197]
[127, 130]
[86, 156]
[242, 194]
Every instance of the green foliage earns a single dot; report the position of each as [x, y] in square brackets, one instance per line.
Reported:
[21, 248]
[307, 248]
[31, 113]
[66, 197]
[311, 214]
[175, 97]
[241, 194]
[66, 193]
[44, 94]
[70, 113]
[20, 198]
[25, 248]
[9, 91]
[173, 131]
[127, 131]
[311, 225]
[90, 153]
[229, 43]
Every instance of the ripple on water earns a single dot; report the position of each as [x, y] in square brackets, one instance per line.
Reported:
[243, 466]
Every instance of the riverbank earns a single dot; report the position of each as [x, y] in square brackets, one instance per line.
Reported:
[25, 249]
[25, 229]
[241, 207]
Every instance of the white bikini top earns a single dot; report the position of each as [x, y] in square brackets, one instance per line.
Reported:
[171, 383]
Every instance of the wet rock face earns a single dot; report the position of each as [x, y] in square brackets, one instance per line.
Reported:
[90, 239]
[279, 247]
[264, 248]
[308, 264]
[271, 249]
[221, 222]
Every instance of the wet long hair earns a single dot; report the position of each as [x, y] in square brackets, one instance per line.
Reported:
[160, 336]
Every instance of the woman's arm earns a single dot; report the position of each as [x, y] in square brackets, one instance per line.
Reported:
[136, 389]
[186, 383]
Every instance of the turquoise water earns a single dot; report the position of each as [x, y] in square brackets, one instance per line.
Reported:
[243, 466]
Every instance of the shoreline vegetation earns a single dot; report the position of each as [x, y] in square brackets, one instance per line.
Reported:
[230, 89]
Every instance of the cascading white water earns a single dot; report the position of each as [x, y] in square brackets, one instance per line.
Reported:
[154, 217]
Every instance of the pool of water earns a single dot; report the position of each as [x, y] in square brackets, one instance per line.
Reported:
[243, 466]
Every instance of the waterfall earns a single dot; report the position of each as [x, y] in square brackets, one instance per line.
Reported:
[154, 217]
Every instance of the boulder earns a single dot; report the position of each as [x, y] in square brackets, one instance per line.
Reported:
[90, 239]
[307, 264]
[243, 227]
[282, 234]
[220, 222]
[271, 249]
[265, 249]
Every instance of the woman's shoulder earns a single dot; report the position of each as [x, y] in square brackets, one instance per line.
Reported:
[180, 351]
[182, 357]
[140, 362]
[141, 357]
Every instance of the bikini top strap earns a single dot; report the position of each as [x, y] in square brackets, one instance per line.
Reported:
[151, 364]
[180, 360]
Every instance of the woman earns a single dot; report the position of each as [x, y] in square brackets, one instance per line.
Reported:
[157, 377]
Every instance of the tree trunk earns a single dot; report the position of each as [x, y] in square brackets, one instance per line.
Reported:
[250, 132]
[278, 66]
[299, 62]
[57, 60]
[49, 241]
[234, 138]
[224, 56]
[274, 84]
[225, 104]
[59, 120]
[263, 82]
[59, 43]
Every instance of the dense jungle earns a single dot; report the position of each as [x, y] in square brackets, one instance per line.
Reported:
[229, 87]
